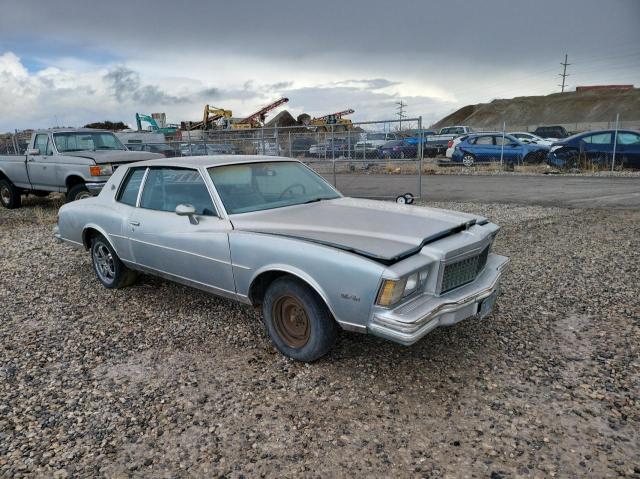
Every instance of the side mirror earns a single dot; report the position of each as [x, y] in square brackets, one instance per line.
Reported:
[187, 210]
[33, 151]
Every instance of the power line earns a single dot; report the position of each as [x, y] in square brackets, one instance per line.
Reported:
[564, 73]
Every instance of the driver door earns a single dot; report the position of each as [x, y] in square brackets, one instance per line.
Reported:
[191, 252]
[42, 168]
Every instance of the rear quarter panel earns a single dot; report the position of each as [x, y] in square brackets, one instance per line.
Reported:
[14, 167]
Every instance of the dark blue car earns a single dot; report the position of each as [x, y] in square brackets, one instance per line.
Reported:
[596, 148]
[398, 149]
[487, 147]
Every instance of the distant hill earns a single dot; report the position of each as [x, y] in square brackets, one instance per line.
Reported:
[577, 110]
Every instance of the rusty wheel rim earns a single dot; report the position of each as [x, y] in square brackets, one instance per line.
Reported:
[291, 321]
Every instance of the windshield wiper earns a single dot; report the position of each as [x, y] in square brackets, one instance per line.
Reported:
[314, 200]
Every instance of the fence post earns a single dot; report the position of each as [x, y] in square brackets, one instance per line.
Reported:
[277, 141]
[264, 152]
[189, 140]
[615, 141]
[504, 127]
[290, 152]
[420, 155]
[333, 156]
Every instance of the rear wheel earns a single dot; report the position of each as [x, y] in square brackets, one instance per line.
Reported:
[111, 272]
[9, 195]
[297, 320]
[468, 160]
[78, 192]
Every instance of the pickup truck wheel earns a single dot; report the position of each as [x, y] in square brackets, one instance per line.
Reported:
[78, 192]
[468, 160]
[297, 320]
[9, 195]
[111, 272]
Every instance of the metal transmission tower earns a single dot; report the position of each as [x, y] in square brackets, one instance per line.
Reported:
[401, 114]
[564, 73]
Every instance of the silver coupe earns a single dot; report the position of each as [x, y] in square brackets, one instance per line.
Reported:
[270, 232]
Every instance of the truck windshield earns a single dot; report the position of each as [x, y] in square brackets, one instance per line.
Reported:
[267, 185]
[76, 141]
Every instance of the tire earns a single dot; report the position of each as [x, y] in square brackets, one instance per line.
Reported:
[9, 195]
[468, 160]
[297, 320]
[533, 158]
[111, 272]
[78, 192]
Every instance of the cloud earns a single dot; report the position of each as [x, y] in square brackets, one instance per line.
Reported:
[125, 85]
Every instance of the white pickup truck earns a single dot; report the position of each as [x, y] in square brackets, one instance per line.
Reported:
[77, 162]
[440, 141]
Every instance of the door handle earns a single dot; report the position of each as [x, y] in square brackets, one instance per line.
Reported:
[134, 223]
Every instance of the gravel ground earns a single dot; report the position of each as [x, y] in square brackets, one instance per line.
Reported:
[165, 381]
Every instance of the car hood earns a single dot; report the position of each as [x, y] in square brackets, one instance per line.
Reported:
[380, 230]
[119, 156]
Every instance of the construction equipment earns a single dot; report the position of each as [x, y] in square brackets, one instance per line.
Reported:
[323, 123]
[256, 120]
[213, 117]
[170, 130]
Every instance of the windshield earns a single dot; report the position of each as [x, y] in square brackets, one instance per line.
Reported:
[75, 141]
[262, 186]
[452, 131]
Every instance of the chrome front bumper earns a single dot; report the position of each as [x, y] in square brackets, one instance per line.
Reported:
[95, 188]
[409, 322]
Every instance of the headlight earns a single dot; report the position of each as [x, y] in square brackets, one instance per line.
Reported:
[101, 170]
[393, 290]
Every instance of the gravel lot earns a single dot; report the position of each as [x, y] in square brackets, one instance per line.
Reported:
[161, 380]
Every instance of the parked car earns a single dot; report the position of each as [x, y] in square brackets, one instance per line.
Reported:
[77, 162]
[369, 143]
[162, 148]
[336, 148]
[271, 233]
[488, 147]
[300, 145]
[551, 132]
[451, 145]
[527, 137]
[202, 149]
[440, 142]
[428, 150]
[597, 148]
[398, 149]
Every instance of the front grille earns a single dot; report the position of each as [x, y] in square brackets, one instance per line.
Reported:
[463, 271]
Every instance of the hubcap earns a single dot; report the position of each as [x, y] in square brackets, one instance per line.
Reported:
[104, 263]
[5, 194]
[467, 160]
[291, 321]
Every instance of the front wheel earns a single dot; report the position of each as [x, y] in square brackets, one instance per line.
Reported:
[468, 160]
[9, 195]
[111, 272]
[297, 320]
[78, 192]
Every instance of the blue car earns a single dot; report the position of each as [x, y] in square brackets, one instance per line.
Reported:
[596, 147]
[487, 147]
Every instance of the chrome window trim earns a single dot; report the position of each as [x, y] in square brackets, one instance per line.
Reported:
[125, 177]
[142, 183]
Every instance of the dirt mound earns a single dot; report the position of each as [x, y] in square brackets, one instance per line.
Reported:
[557, 108]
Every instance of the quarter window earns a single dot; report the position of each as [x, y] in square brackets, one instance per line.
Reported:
[166, 188]
[130, 187]
[484, 140]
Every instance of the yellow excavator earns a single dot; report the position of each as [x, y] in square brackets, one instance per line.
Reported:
[211, 118]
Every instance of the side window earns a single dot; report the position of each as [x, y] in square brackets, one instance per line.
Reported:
[628, 139]
[130, 186]
[49, 150]
[484, 140]
[166, 188]
[599, 139]
[41, 143]
[507, 140]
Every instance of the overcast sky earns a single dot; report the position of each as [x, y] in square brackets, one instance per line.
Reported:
[70, 62]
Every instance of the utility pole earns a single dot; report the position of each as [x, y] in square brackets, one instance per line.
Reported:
[401, 104]
[564, 73]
